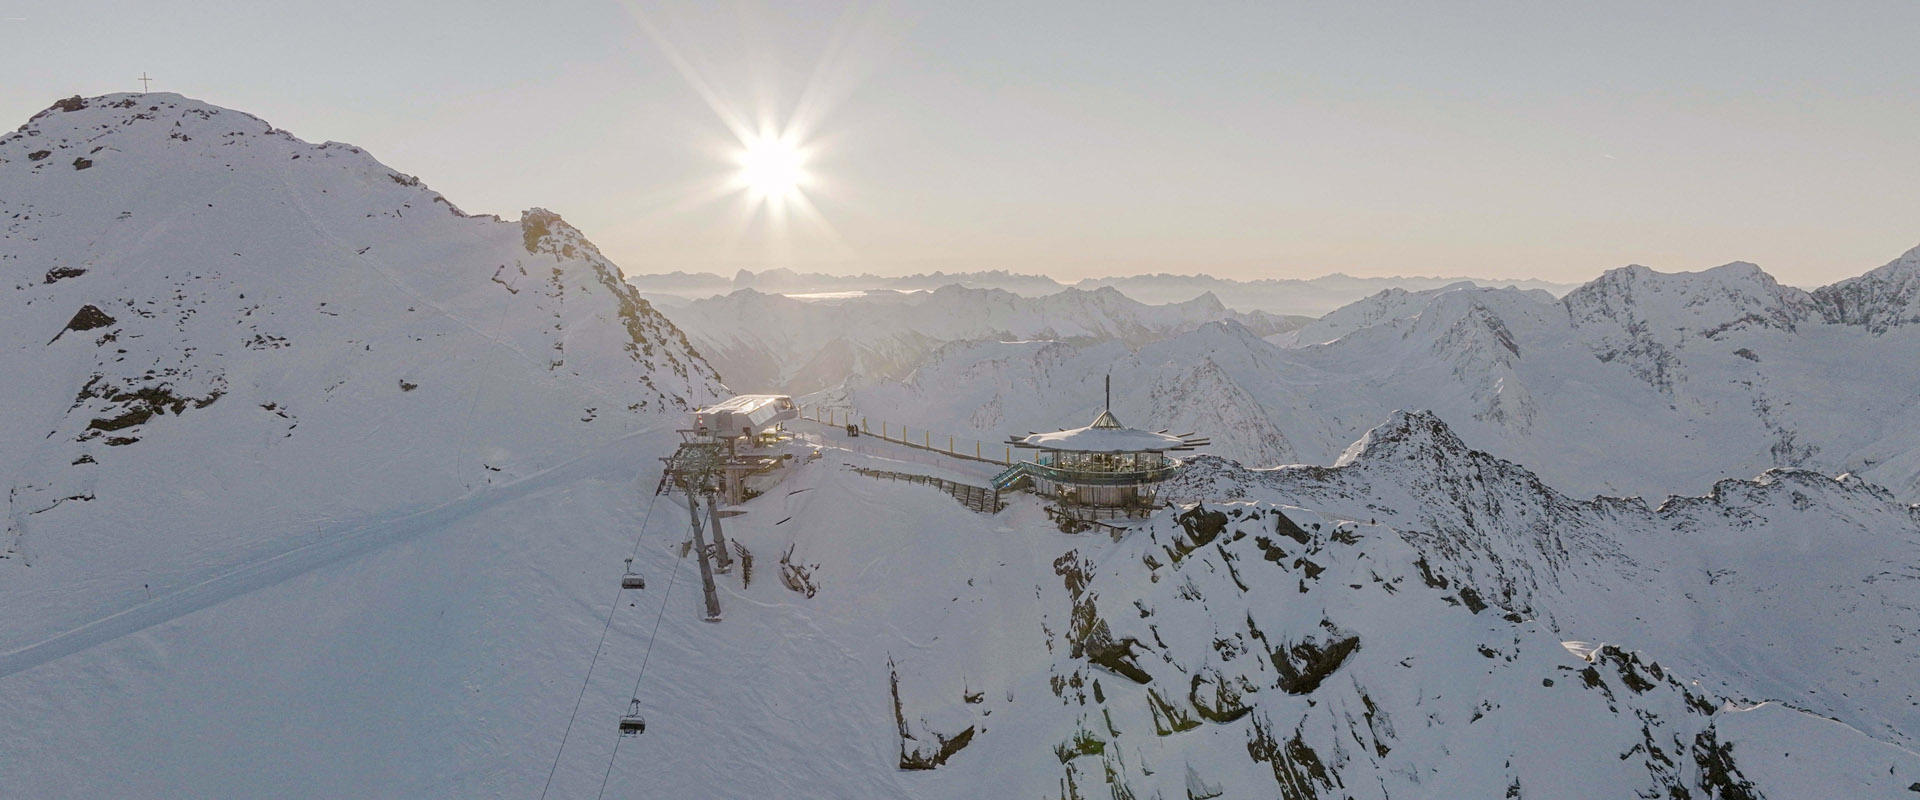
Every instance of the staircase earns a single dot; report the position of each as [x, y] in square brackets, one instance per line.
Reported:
[1013, 477]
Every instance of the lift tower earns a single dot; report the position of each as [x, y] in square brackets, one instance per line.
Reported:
[697, 469]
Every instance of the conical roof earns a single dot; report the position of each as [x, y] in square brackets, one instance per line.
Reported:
[1105, 435]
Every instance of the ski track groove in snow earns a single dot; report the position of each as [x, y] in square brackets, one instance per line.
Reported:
[339, 546]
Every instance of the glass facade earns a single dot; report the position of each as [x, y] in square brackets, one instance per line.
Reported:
[1120, 480]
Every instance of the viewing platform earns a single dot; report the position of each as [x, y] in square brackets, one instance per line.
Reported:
[1103, 469]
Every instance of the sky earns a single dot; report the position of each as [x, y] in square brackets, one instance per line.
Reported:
[1502, 140]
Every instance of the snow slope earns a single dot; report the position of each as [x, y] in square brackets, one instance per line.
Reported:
[226, 343]
[1639, 383]
[1242, 648]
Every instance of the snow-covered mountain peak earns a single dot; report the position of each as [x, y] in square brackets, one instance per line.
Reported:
[1907, 262]
[1671, 306]
[545, 232]
[125, 143]
[1384, 306]
[1225, 334]
[1419, 436]
[1644, 319]
[92, 114]
[1206, 300]
[202, 300]
[1885, 298]
[1441, 307]
[1784, 488]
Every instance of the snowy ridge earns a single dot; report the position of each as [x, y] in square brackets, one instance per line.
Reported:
[1270, 649]
[1881, 300]
[226, 341]
[1388, 305]
[1722, 583]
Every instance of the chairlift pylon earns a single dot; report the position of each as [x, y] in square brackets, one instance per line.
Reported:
[633, 724]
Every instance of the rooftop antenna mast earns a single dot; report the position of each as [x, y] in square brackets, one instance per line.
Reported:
[1109, 391]
[145, 82]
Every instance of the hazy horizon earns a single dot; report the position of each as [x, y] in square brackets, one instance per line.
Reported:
[1497, 141]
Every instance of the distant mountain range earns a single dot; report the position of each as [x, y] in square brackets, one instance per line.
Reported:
[1638, 383]
[1289, 296]
[764, 342]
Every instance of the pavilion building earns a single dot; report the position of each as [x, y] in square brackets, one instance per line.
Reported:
[1103, 469]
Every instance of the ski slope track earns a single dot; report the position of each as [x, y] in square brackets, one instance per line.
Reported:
[331, 546]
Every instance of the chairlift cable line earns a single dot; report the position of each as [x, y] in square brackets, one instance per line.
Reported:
[598, 647]
[651, 637]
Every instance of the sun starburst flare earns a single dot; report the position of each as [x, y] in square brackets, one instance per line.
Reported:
[774, 153]
[772, 168]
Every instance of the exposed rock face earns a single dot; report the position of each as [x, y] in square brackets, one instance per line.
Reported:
[1604, 567]
[86, 319]
[1881, 300]
[1349, 664]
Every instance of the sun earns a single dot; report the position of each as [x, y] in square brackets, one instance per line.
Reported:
[772, 167]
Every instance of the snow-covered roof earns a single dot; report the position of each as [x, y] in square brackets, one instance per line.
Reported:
[1105, 435]
[746, 402]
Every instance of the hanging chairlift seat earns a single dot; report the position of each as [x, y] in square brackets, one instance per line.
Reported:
[632, 580]
[633, 724]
